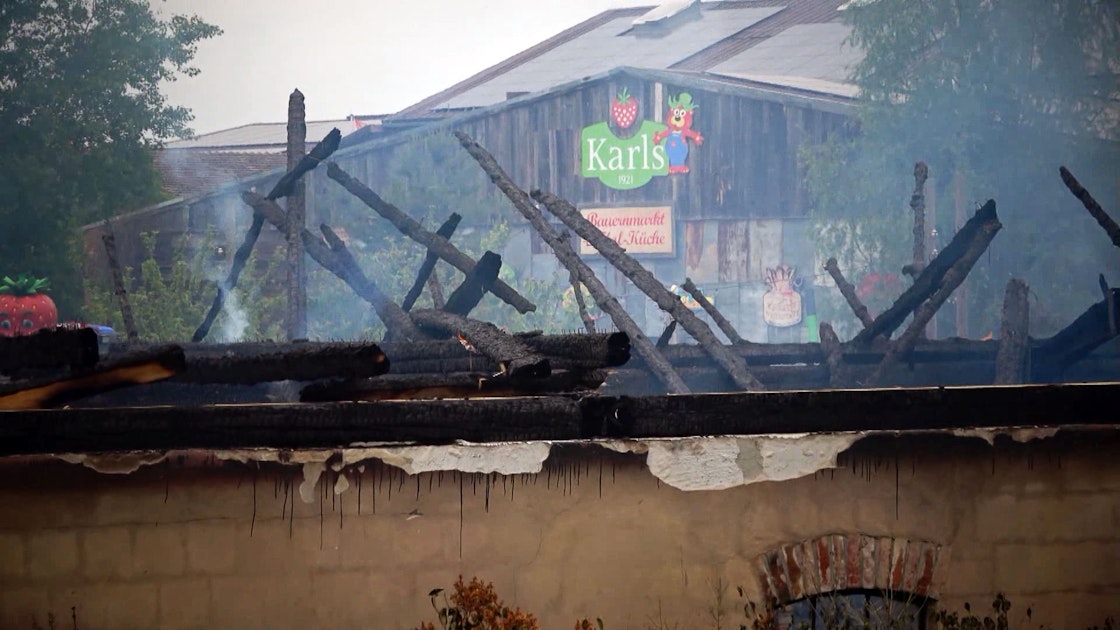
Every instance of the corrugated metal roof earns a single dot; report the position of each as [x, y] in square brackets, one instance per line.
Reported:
[516, 74]
[810, 51]
[269, 136]
[612, 44]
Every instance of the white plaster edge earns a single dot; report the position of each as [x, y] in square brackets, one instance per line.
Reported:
[689, 463]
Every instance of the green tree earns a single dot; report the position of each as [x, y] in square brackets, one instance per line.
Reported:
[80, 112]
[994, 95]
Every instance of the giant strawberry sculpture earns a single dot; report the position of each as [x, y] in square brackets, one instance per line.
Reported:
[24, 309]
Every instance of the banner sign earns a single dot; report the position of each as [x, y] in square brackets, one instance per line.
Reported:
[640, 230]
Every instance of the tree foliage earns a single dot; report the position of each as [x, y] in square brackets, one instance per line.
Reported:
[80, 112]
[994, 95]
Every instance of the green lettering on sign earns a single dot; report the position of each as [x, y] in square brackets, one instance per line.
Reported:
[622, 163]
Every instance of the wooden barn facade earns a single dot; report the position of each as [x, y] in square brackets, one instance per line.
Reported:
[721, 201]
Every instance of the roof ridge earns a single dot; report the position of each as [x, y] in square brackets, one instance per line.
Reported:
[423, 106]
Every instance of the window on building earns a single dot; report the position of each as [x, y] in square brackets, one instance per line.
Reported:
[863, 609]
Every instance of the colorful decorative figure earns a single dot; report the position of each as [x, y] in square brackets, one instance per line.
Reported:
[24, 309]
[781, 305]
[679, 132]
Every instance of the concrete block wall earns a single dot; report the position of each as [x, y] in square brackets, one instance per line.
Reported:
[595, 534]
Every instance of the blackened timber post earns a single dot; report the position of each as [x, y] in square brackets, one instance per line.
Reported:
[296, 202]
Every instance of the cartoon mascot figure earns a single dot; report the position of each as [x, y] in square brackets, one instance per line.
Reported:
[679, 132]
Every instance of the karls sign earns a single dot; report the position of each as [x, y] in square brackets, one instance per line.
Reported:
[640, 230]
[654, 149]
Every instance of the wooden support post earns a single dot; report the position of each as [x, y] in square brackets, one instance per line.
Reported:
[930, 278]
[981, 238]
[713, 312]
[1094, 208]
[561, 245]
[429, 264]
[849, 292]
[295, 322]
[651, 286]
[1013, 358]
[475, 285]
[511, 354]
[918, 207]
[412, 229]
[336, 259]
[834, 357]
[119, 291]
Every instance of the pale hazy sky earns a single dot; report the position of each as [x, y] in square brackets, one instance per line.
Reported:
[353, 57]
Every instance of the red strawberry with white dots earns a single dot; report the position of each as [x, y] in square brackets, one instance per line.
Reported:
[624, 109]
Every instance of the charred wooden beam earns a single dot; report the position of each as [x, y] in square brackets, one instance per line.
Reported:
[321, 151]
[337, 259]
[512, 355]
[429, 264]
[929, 280]
[426, 422]
[144, 367]
[581, 305]
[110, 242]
[295, 320]
[49, 348]
[650, 285]
[474, 287]
[667, 334]
[948, 283]
[1013, 358]
[564, 352]
[848, 291]
[294, 363]
[712, 311]
[412, 229]
[918, 207]
[295, 425]
[1091, 204]
[436, 292]
[561, 246]
[1097, 325]
[455, 385]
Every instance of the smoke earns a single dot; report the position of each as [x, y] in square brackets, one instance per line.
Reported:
[234, 319]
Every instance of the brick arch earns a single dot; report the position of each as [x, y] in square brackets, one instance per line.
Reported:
[846, 561]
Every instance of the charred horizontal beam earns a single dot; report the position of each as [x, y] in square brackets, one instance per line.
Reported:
[456, 385]
[153, 365]
[45, 349]
[512, 356]
[332, 425]
[294, 426]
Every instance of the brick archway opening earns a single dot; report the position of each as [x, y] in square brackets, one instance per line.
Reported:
[839, 562]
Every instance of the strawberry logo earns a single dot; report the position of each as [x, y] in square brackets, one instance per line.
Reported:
[624, 109]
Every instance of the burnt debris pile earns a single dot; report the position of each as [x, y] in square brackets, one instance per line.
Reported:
[443, 353]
